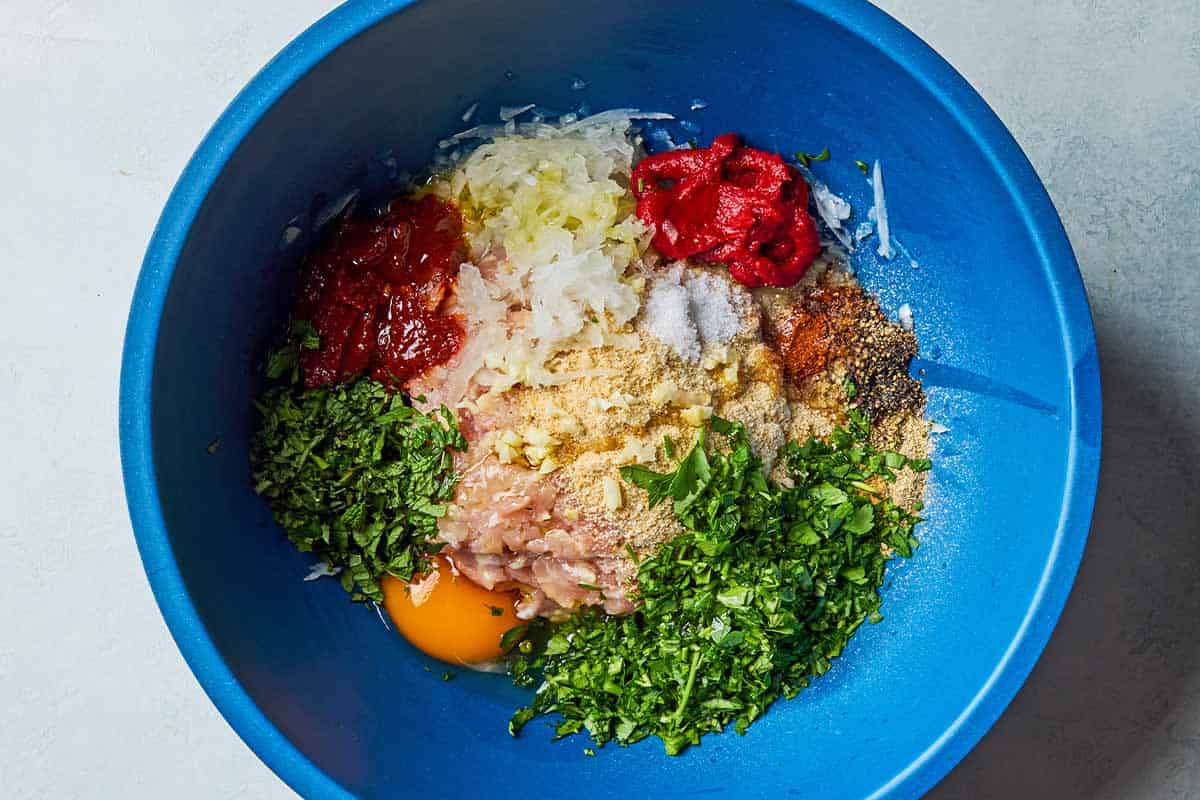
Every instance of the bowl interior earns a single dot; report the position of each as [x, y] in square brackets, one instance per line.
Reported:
[997, 309]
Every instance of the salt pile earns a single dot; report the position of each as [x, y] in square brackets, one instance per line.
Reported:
[687, 314]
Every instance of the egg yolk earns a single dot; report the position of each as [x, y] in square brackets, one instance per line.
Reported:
[456, 620]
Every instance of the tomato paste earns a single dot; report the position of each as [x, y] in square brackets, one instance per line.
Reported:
[730, 204]
[374, 291]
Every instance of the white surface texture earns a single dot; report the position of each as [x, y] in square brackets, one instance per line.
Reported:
[106, 99]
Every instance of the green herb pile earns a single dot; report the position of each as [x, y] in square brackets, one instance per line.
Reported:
[767, 585]
[353, 473]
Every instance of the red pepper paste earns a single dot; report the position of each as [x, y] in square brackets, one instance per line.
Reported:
[374, 291]
[732, 204]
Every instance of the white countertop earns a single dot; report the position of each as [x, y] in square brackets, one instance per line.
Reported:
[106, 101]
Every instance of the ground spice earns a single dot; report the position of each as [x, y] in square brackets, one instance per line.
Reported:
[834, 321]
[907, 434]
[878, 365]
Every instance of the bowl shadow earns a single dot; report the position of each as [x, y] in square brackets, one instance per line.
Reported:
[1129, 637]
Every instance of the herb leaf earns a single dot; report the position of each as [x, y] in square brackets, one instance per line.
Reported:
[807, 158]
[355, 475]
[285, 362]
[512, 636]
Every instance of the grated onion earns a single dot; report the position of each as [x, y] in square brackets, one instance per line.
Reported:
[321, 570]
[512, 112]
[547, 209]
[831, 208]
[881, 214]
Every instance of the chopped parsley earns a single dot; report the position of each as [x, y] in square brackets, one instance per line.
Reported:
[756, 598]
[513, 635]
[807, 158]
[354, 475]
[285, 361]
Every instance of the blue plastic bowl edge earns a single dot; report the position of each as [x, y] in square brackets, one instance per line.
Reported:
[350, 19]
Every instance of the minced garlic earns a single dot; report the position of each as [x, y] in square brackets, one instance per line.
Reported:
[508, 446]
[669, 392]
[535, 454]
[539, 438]
[636, 452]
[616, 400]
[535, 446]
[729, 375]
[569, 425]
[716, 356]
[612, 494]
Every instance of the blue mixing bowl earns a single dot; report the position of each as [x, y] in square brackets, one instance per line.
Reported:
[338, 705]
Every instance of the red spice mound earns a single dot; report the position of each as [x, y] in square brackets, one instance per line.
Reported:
[817, 329]
[373, 291]
[732, 204]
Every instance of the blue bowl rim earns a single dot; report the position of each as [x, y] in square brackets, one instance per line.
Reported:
[911, 54]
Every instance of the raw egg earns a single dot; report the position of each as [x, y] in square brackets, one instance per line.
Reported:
[450, 617]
